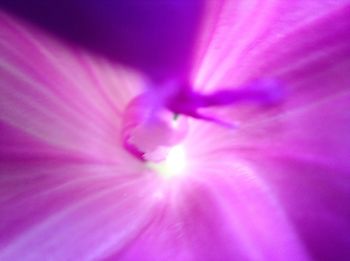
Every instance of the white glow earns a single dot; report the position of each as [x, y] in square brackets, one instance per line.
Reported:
[174, 164]
[176, 160]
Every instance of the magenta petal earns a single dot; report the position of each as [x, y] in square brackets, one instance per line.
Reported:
[301, 148]
[217, 217]
[276, 188]
[60, 116]
[238, 32]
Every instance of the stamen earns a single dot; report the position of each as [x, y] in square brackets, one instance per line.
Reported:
[152, 125]
[149, 131]
[187, 102]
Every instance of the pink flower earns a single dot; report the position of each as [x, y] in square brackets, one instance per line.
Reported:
[276, 187]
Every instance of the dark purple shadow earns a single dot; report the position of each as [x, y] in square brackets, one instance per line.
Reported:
[154, 36]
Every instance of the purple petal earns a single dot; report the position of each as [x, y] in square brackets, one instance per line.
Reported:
[276, 188]
[301, 148]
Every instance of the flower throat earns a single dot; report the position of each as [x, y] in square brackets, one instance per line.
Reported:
[157, 120]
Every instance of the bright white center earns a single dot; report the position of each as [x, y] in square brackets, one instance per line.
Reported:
[176, 160]
[174, 164]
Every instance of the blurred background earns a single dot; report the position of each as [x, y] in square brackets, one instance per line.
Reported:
[155, 36]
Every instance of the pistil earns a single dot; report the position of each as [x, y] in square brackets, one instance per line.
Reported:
[154, 122]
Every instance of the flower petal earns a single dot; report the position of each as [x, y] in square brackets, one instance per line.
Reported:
[301, 148]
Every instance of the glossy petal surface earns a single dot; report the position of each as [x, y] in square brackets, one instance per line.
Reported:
[276, 188]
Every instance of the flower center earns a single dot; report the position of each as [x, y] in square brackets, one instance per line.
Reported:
[150, 131]
[152, 125]
[174, 164]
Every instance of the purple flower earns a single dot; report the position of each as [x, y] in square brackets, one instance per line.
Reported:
[275, 187]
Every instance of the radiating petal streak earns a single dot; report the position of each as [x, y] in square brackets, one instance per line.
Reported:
[60, 218]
